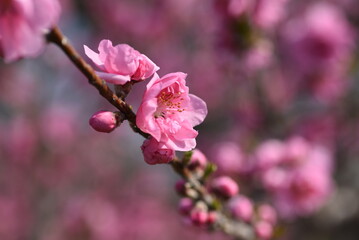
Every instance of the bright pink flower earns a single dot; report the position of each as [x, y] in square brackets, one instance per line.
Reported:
[169, 113]
[103, 121]
[121, 63]
[224, 186]
[155, 152]
[241, 208]
[23, 24]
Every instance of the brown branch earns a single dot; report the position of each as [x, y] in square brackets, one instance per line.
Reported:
[55, 36]
[238, 230]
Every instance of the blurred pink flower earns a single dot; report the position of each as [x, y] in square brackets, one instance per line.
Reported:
[121, 64]
[230, 158]
[23, 24]
[320, 38]
[299, 179]
[168, 112]
[155, 152]
[263, 229]
[241, 208]
[224, 186]
[267, 213]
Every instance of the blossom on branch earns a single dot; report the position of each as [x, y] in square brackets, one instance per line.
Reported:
[156, 153]
[121, 63]
[168, 112]
[23, 24]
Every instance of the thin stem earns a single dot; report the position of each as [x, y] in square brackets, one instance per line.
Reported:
[55, 36]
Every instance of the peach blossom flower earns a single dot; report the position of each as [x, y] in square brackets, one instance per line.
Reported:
[121, 63]
[169, 113]
[155, 152]
[23, 24]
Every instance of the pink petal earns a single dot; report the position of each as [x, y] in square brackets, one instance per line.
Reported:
[114, 78]
[197, 112]
[94, 57]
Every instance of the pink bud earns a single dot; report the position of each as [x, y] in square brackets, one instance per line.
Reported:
[212, 217]
[224, 186]
[155, 152]
[199, 217]
[103, 121]
[241, 208]
[185, 206]
[180, 186]
[198, 159]
[267, 213]
[263, 229]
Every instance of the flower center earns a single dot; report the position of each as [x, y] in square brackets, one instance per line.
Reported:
[169, 103]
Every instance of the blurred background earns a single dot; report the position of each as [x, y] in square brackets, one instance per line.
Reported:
[280, 79]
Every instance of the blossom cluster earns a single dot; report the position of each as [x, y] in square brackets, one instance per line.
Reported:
[167, 111]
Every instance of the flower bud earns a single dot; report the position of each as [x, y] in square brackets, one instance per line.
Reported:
[103, 121]
[241, 208]
[267, 213]
[185, 206]
[199, 216]
[198, 160]
[180, 186]
[155, 153]
[263, 229]
[224, 186]
[212, 217]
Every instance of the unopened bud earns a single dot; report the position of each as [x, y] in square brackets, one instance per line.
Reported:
[267, 213]
[199, 217]
[212, 217]
[155, 152]
[224, 186]
[198, 160]
[241, 208]
[263, 229]
[185, 206]
[104, 121]
[180, 186]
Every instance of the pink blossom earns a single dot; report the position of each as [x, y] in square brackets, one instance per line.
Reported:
[121, 63]
[224, 186]
[241, 208]
[155, 152]
[23, 25]
[103, 121]
[169, 113]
